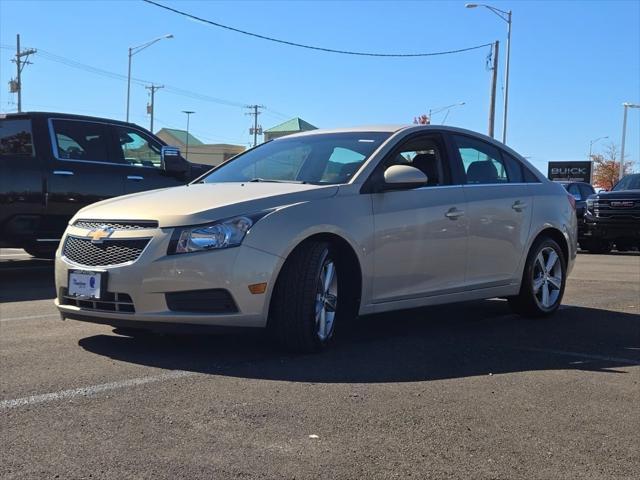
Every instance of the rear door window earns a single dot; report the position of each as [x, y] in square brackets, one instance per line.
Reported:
[482, 162]
[16, 138]
[79, 140]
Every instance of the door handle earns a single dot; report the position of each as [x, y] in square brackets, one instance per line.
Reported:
[135, 178]
[519, 206]
[63, 172]
[454, 213]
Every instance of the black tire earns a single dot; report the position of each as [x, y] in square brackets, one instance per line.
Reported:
[292, 318]
[596, 246]
[526, 303]
[37, 251]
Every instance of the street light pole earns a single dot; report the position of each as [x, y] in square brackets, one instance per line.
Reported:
[506, 16]
[442, 109]
[626, 105]
[132, 52]
[186, 153]
[595, 140]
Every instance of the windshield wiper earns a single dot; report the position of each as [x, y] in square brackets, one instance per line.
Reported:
[272, 180]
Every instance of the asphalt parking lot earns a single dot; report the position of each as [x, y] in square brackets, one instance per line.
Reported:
[463, 391]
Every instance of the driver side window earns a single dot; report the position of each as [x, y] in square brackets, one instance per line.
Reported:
[137, 149]
[424, 154]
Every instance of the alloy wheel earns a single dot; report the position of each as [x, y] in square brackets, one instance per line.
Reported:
[547, 278]
[326, 299]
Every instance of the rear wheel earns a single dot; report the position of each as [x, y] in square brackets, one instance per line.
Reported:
[596, 246]
[543, 280]
[41, 251]
[305, 302]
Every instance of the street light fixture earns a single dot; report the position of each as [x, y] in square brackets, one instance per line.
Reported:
[595, 140]
[189, 113]
[132, 52]
[506, 16]
[626, 106]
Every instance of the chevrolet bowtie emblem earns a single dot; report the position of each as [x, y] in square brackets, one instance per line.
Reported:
[99, 234]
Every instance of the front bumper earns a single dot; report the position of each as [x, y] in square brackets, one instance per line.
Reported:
[153, 274]
[610, 230]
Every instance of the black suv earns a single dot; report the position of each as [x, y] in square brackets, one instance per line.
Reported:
[613, 218]
[53, 164]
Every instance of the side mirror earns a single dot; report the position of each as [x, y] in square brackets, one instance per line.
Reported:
[401, 177]
[172, 162]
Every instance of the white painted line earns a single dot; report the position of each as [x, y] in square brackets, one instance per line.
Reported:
[92, 390]
[585, 355]
[30, 317]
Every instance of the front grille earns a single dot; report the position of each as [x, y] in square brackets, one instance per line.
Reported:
[604, 209]
[216, 300]
[110, 252]
[112, 302]
[115, 224]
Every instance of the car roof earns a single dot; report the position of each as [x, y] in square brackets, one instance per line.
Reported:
[63, 115]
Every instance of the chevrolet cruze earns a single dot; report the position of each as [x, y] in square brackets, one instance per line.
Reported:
[305, 232]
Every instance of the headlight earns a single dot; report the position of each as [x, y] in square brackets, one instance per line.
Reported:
[590, 202]
[221, 234]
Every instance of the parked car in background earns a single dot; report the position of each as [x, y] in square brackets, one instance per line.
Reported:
[54, 164]
[306, 231]
[613, 218]
[580, 191]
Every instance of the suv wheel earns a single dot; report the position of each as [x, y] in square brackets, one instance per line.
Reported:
[305, 301]
[41, 251]
[543, 280]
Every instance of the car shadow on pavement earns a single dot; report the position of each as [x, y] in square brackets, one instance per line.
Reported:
[454, 341]
[26, 279]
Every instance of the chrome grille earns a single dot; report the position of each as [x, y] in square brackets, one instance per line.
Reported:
[115, 224]
[112, 302]
[110, 252]
[611, 209]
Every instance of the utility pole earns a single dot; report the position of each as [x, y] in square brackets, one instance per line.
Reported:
[152, 88]
[256, 129]
[494, 81]
[16, 85]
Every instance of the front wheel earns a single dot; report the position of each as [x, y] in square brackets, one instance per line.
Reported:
[305, 302]
[543, 280]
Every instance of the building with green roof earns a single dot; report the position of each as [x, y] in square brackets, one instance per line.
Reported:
[295, 125]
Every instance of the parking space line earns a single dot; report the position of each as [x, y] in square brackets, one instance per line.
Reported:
[584, 355]
[30, 317]
[92, 390]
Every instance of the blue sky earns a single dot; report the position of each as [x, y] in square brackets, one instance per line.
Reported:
[573, 64]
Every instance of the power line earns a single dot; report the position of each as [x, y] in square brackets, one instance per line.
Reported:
[311, 47]
[116, 76]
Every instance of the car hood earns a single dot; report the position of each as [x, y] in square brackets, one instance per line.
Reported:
[202, 203]
[618, 195]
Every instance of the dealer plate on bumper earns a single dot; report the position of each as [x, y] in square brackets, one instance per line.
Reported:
[87, 284]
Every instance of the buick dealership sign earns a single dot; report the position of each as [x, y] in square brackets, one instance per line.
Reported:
[570, 171]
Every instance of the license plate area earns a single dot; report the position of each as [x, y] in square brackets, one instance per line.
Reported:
[87, 284]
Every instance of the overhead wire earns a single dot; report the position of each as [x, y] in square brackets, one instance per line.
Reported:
[311, 47]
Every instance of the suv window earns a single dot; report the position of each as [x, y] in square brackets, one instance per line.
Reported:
[15, 137]
[137, 149]
[482, 162]
[79, 140]
[586, 190]
[423, 154]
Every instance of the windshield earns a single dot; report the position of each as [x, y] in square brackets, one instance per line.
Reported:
[321, 159]
[630, 182]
